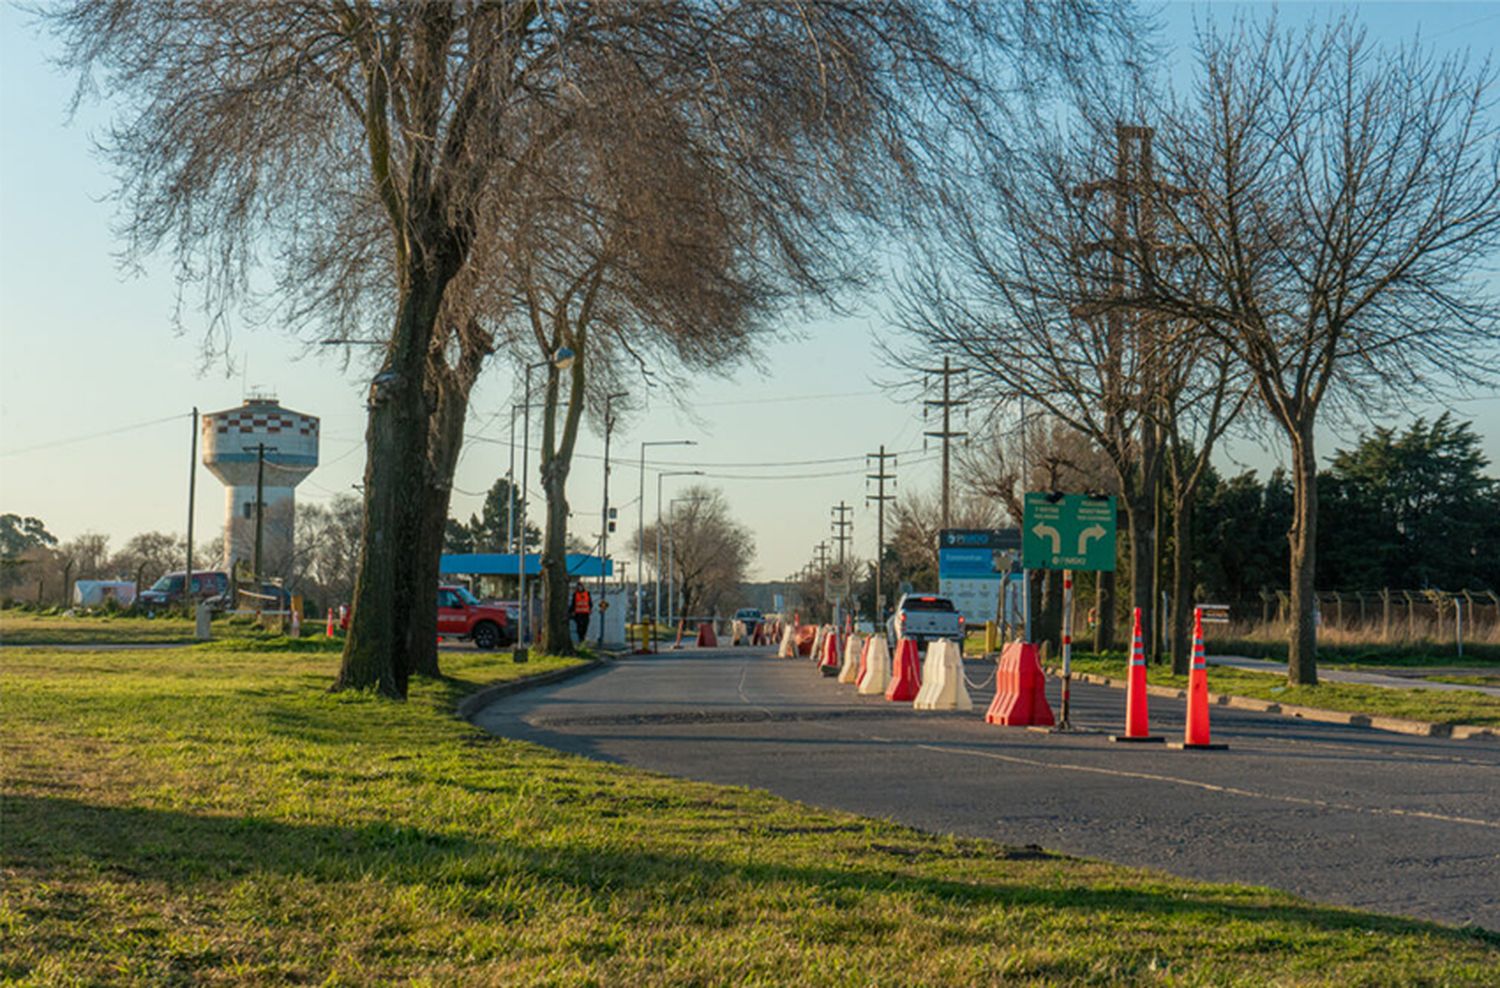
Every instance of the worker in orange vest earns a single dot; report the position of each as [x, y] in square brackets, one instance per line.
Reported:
[583, 606]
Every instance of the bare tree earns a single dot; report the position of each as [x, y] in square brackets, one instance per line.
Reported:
[1340, 208]
[147, 556]
[373, 151]
[709, 550]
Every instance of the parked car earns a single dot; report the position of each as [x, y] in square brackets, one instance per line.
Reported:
[463, 615]
[926, 618]
[207, 586]
[752, 617]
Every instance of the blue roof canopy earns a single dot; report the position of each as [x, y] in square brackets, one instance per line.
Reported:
[505, 564]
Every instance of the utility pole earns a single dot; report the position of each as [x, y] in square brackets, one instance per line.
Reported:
[880, 497]
[1133, 176]
[187, 589]
[947, 404]
[260, 505]
[841, 526]
[609, 425]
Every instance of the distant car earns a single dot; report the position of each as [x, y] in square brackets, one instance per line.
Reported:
[926, 618]
[463, 615]
[752, 617]
[207, 586]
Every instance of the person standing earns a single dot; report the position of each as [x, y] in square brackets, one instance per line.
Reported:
[583, 606]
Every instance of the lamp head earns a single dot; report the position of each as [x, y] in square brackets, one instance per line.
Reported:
[563, 358]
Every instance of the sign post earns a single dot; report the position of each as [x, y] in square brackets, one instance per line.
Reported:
[1068, 532]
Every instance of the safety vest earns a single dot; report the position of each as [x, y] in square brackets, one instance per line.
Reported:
[582, 603]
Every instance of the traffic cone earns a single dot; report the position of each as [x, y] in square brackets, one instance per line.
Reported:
[1195, 736]
[829, 666]
[328, 632]
[1136, 729]
[906, 676]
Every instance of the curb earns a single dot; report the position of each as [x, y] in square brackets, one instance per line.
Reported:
[1395, 725]
[477, 701]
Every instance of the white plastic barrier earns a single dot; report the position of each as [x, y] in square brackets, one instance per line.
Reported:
[943, 679]
[877, 668]
[817, 649]
[849, 671]
[788, 649]
[737, 634]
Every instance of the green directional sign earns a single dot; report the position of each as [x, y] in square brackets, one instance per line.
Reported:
[1068, 531]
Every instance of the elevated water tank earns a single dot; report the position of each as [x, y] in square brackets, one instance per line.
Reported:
[234, 442]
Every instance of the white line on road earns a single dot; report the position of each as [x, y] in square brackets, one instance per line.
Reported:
[1209, 786]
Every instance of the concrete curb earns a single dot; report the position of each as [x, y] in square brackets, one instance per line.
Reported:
[477, 701]
[1396, 725]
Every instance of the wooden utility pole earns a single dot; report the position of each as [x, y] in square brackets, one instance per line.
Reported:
[947, 404]
[260, 507]
[1133, 176]
[880, 497]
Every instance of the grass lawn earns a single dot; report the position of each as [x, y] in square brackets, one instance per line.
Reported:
[1363, 655]
[212, 814]
[25, 628]
[1445, 707]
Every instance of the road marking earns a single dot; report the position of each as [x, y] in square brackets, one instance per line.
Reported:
[1210, 787]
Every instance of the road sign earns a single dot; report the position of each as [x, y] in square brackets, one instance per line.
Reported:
[972, 565]
[1069, 531]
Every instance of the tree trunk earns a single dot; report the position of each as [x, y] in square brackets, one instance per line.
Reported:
[1104, 611]
[557, 462]
[1182, 584]
[445, 440]
[1138, 522]
[1049, 618]
[1302, 660]
[386, 587]
[557, 634]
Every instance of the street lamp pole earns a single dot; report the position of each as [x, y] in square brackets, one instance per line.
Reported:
[609, 425]
[562, 360]
[659, 477]
[640, 525]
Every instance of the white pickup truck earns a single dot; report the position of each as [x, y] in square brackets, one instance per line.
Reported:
[927, 617]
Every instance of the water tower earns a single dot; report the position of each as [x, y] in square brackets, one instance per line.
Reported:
[235, 442]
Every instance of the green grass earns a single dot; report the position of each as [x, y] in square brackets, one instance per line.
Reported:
[1440, 706]
[1354, 656]
[212, 814]
[1467, 680]
[24, 628]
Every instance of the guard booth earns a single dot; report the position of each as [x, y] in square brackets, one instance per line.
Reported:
[503, 571]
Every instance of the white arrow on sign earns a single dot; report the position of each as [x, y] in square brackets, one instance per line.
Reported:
[1086, 536]
[1048, 532]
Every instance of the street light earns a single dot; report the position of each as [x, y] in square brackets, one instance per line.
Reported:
[667, 473]
[562, 360]
[640, 522]
[609, 426]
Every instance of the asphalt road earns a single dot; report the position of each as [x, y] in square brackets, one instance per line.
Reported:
[1400, 825]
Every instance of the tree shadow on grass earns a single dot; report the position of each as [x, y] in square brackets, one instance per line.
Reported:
[46, 835]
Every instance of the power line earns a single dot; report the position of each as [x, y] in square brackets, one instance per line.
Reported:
[94, 435]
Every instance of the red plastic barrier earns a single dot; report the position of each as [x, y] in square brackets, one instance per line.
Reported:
[864, 653]
[1020, 689]
[832, 653]
[906, 672]
[706, 636]
[806, 635]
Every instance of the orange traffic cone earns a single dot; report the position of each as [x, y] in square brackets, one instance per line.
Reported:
[832, 654]
[1135, 693]
[1195, 735]
[906, 673]
[328, 632]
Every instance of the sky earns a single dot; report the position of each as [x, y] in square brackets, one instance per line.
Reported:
[96, 387]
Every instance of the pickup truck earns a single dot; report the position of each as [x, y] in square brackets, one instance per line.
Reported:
[926, 617]
[463, 615]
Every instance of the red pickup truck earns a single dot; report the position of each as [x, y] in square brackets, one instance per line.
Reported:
[462, 615]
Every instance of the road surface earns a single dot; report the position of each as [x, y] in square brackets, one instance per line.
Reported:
[1396, 824]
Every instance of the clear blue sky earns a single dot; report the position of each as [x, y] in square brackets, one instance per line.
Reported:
[86, 347]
